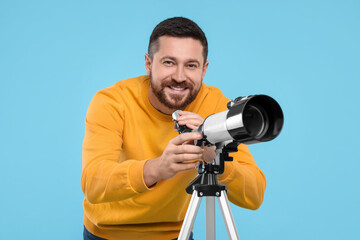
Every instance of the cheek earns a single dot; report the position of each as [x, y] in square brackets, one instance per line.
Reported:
[161, 71]
[197, 79]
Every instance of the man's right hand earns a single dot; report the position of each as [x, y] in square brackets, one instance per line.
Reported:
[179, 155]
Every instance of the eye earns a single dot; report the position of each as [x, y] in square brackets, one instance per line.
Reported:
[192, 66]
[168, 63]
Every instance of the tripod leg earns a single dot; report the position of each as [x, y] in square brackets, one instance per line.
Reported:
[210, 217]
[190, 216]
[227, 215]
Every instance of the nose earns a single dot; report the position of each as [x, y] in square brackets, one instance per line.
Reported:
[179, 74]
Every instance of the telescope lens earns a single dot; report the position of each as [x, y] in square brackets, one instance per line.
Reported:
[255, 120]
[249, 120]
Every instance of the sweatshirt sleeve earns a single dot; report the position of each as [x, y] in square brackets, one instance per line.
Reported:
[104, 178]
[245, 182]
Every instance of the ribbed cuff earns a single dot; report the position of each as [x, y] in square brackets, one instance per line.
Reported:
[136, 176]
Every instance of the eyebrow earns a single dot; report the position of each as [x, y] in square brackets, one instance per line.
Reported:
[174, 59]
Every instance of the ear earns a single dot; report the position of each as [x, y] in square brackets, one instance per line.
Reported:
[205, 68]
[147, 64]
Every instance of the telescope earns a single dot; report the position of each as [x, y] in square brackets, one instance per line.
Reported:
[248, 120]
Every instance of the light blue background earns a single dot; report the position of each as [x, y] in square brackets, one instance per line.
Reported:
[54, 56]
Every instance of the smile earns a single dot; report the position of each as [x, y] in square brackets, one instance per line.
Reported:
[177, 88]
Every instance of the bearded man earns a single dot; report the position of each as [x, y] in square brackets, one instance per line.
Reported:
[135, 166]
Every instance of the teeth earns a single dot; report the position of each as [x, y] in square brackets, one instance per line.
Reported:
[179, 89]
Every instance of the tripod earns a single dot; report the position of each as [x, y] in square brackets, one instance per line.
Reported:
[206, 185]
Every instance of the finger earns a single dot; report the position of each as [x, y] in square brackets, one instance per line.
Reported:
[188, 149]
[189, 143]
[190, 120]
[188, 115]
[183, 113]
[187, 157]
[188, 166]
[193, 125]
[184, 137]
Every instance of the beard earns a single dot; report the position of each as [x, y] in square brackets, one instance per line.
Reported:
[174, 101]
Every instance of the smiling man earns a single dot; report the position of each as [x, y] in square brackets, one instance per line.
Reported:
[135, 166]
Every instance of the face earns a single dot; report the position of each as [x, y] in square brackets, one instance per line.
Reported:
[176, 73]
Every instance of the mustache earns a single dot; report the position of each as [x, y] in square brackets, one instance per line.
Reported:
[173, 83]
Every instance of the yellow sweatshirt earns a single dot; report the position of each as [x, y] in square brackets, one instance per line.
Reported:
[122, 131]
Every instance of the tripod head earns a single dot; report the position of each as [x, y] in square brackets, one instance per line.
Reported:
[206, 182]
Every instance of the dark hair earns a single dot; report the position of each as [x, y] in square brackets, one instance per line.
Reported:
[177, 27]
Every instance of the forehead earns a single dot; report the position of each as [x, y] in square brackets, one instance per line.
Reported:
[180, 48]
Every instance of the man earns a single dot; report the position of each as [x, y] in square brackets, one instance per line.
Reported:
[135, 166]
